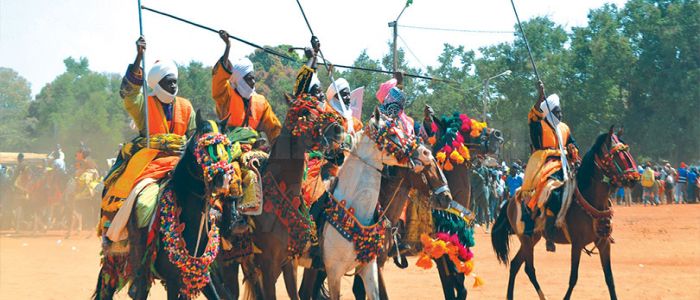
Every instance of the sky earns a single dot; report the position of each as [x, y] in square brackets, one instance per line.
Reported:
[37, 35]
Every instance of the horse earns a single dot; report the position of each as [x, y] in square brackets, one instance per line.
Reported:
[284, 227]
[483, 149]
[606, 166]
[82, 198]
[396, 183]
[175, 239]
[355, 225]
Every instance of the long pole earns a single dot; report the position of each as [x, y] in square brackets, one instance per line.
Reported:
[553, 121]
[143, 84]
[394, 50]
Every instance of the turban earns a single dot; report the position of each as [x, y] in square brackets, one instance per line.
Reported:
[393, 103]
[314, 82]
[239, 70]
[341, 84]
[159, 70]
[384, 89]
[548, 105]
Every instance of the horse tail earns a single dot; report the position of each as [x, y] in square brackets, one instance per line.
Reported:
[500, 235]
[252, 279]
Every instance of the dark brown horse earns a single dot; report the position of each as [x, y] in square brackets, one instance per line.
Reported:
[606, 166]
[191, 192]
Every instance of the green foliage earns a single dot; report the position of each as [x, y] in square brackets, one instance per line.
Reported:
[637, 66]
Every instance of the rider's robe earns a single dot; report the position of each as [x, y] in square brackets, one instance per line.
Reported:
[168, 126]
[255, 112]
[545, 163]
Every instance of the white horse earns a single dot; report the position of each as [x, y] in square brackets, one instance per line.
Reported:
[358, 184]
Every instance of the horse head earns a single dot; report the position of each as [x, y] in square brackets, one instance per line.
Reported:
[615, 161]
[211, 150]
[397, 147]
[316, 128]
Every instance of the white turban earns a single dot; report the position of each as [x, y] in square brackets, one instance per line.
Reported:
[341, 84]
[238, 72]
[159, 70]
[549, 105]
[314, 81]
[240, 69]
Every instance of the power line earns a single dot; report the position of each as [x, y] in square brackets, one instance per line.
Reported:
[458, 30]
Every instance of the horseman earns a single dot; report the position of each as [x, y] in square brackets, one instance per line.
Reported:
[544, 174]
[233, 90]
[393, 100]
[171, 120]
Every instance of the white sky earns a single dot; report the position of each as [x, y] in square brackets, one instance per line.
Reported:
[36, 35]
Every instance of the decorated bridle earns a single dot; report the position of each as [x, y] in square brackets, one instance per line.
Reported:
[305, 117]
[392, 139]
[616, 163]
[213, 153]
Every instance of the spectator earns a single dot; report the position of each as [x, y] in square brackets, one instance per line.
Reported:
[682, 185]
[670, 183]
[692, 185]
[648, 183]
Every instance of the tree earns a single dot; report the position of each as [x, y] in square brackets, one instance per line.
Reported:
[15, 96]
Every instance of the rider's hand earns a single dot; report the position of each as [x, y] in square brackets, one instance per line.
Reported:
[428, 111]
[540, 90]
[315, 44]
[224, 36]
[140, 46]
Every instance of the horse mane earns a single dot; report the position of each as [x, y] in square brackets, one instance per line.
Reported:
[585, 173]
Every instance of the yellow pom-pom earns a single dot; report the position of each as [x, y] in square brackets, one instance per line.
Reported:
[478, 281]
[464, 151]
[456, 157]
[439, 249]
[441, 157]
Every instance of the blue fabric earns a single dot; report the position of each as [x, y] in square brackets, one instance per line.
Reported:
[168, 110]
[682, 175]
[513, 183]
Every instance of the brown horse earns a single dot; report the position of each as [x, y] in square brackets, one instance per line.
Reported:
[285, 170]
[606, 166]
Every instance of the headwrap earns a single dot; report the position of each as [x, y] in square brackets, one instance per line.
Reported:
[159, 70]
[683, 165]
[341, 84]
[335, 102]
[314, 82]
[238, 72]
[547, 106]
[384, 89]
[393, 103]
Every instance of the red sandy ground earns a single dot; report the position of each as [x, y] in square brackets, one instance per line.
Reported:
[657, 256]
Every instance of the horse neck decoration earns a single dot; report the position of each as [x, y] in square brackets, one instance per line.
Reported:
[607, 165]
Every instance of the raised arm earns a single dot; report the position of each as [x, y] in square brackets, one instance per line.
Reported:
[132, 82]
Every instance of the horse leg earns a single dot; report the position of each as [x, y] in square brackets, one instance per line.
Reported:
[443, 271]
[230, 279]
[358, 288]
[604, 250]
[382, 286]
[209, 291]
[530, 268]
[573, 277]
[289, 272]
[458, 284]
[319, 291]
[269, 278]
[173, 290]
[333, 283]
[515, 265]
[308, 280]
[369, 276]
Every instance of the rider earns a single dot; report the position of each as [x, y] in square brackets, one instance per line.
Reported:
[58, 158]
[170, 120]
[545, 163]
[233, 90]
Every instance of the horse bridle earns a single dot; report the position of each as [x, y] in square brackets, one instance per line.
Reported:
[617, 164]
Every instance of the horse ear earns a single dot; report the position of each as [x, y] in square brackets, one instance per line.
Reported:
[611, 131]
[620, 132]
[198, 119]
[376, 114]
[223, 123]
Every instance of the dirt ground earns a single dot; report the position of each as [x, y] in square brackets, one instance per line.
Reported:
[656, 256]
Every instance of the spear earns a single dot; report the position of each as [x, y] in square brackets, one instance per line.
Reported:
[143, 84]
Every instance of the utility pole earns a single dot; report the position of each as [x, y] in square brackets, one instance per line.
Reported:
[395, 25]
